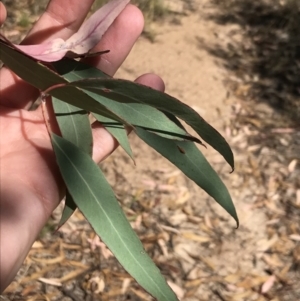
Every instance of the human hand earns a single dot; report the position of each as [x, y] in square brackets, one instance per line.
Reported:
[31, 186]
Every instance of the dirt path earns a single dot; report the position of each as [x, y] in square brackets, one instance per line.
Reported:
[197, 78]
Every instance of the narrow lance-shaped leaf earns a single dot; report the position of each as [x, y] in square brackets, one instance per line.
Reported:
[188, 158]
[136, 114]
[87, 37]
[74, 126]
[96, 200]
[125, 91]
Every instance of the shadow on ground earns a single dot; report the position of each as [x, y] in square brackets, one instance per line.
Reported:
[262, 52]
[268, 55]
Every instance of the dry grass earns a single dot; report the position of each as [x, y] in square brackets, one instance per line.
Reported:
[152, 9]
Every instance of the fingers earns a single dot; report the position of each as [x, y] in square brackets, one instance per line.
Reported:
[2, 13]
[151, 80]
[104, 143]
[119, 39]
[61, 19]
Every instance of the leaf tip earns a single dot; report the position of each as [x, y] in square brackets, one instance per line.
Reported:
[237, 223]
[235, 217]
[230, 160]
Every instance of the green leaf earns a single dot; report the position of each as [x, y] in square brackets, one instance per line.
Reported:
[141, 115]
[96, 200]
[125, 91]
[188, 158]
[74, 126]
[118, 131]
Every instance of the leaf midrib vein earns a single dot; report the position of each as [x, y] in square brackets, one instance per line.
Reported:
[84, 181]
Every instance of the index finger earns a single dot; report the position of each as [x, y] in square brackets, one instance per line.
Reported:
[2, 13]
[60, 20]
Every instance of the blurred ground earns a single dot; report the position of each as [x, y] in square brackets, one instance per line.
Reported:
[237, 64]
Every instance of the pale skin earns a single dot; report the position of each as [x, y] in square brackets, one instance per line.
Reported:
[30, 183]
